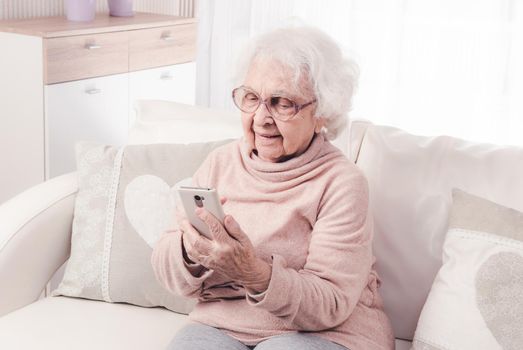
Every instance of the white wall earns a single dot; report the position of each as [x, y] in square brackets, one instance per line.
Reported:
[15, 9]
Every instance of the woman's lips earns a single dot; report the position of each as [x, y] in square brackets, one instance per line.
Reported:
[267, 138]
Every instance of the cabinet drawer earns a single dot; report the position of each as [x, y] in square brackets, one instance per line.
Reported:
[85, 56]
[162, 46]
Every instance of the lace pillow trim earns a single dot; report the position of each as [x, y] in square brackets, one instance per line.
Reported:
[109, 223]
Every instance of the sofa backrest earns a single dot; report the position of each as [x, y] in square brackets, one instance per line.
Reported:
[410, 181]
[165, 121]
[170, 122]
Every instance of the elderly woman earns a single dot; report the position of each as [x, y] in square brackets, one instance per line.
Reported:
[292, 265]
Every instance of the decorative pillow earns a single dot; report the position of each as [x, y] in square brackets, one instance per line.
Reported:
[125, 201]
[476, 300]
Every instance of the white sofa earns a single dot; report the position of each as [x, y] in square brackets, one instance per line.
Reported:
[410, 178]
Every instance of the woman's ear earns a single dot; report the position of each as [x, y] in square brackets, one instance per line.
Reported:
[320, 123]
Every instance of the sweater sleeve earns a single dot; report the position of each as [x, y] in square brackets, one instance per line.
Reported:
[172, 271]
[326, 290]
[170, 268]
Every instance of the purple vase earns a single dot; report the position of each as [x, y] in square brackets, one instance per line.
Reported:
[80, 10]
[120, 8]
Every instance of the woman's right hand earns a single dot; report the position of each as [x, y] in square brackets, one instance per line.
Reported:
[188, 239]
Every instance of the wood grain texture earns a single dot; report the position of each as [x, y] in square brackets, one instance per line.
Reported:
[59, 26]
[162, 46]
[68, 58]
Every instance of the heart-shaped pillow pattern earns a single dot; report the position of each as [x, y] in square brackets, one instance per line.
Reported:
[499, 296]
[151, 220]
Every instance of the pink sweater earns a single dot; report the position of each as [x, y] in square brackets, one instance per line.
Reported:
[309, 218]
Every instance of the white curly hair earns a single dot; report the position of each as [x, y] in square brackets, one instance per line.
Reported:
[309, 50]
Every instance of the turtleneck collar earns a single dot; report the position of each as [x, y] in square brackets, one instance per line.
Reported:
[289, 169]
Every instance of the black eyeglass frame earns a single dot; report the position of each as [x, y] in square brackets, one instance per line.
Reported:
[297, 107]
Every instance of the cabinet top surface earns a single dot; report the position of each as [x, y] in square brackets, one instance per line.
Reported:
[59, 26]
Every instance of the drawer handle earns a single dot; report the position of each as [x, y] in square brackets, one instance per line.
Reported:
[167, 38]
[166, 76]
[92, 46]
[93, 91]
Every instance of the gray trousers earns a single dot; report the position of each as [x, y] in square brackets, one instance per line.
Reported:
[197, 336]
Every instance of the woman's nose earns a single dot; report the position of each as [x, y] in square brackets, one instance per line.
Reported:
[263, 115]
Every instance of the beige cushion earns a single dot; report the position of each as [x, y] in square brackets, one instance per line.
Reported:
[403, 344]
[172, 122]
[410, 180]
[125, 201]
[476, 301]
[62, 323]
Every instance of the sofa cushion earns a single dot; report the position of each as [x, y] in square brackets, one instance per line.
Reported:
[63, 323]
[125, 201]
[410, 181]
[160, 121]
[475, 301]
[403, 344]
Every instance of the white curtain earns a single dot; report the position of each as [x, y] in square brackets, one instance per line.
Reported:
[430, 67]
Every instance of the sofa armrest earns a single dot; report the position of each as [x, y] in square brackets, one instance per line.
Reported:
[35, 239]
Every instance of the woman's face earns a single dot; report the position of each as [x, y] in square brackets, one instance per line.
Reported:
[275, 140]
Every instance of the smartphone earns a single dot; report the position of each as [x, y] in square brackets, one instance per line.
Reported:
[200, 197]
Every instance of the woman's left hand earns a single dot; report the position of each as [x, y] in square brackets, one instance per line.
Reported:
[230, 252]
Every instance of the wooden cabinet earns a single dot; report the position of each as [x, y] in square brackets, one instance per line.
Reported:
[84, 56]
[63, 81]
[161, 46]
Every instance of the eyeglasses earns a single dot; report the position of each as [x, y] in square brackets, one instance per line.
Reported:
[280, 107]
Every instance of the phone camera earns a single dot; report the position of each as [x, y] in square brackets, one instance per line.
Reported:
[198, 200]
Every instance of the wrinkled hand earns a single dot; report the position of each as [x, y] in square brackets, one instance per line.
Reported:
[180, 217]
[230, 252]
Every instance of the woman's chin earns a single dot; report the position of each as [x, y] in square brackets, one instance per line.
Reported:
[268, 154]
[267, 157]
